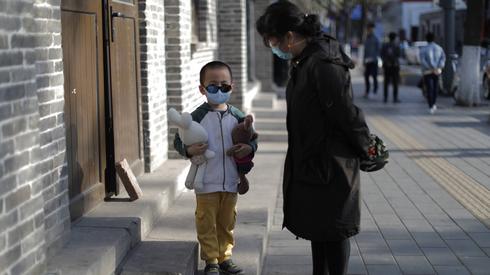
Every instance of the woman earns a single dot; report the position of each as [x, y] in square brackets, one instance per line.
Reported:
[327, 135]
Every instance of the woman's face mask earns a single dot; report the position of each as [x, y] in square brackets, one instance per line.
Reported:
[282, 54]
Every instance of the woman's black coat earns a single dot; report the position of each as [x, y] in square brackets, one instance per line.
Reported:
[327, 135]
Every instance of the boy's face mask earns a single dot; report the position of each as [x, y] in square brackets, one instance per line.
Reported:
[218, 94]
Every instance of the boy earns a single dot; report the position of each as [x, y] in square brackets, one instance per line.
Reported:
[216, 201]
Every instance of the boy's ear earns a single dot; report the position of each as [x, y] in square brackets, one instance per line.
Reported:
[202, 89]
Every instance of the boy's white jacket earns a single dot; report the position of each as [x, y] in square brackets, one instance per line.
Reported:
[221, 173]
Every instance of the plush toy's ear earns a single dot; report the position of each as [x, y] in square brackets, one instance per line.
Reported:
[248, 121]
[174, 117]
[186, 120]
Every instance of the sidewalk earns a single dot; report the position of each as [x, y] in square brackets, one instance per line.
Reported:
[425, 213]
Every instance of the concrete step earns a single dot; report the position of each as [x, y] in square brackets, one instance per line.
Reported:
[260, 113]
[162, 257]
[273, 136]
[270, 124]
[101, 239]
[264, 100]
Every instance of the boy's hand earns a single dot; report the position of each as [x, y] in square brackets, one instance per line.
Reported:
[197, 149]
[242, 150]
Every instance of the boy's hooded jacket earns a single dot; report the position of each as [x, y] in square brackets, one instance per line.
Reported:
[221, 173]
[327, 135]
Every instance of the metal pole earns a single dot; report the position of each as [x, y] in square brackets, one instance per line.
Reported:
[449, 7]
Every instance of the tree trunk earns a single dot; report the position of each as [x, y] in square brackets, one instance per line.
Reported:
[468, 93]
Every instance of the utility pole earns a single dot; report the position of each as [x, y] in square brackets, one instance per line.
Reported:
[449, 7]
[468, 93]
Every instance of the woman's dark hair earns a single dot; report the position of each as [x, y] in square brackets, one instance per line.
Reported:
[392, 36]
[284, 16]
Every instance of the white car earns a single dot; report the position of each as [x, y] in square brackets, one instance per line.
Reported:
[412, 53]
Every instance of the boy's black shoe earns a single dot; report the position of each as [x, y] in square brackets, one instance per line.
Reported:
[211, 269]
[229, 268]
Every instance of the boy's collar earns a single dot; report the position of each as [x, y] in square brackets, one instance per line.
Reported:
[208, 107]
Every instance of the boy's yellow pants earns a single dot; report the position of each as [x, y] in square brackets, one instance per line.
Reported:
[215, 221]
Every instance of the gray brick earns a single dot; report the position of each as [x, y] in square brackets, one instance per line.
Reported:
[7, 221]
[11, 58]
[20, 232]
[23, 41]
[25, 263]
[18, 197]
[19, 7]
[14, 163]
[26, 141]
[4, 42]
[22, 75]
[13, 92]
[10, 256]
[3, 241]
[6, 148]
[9, 23]
[42, 12]
[5, 112]
[55, 53]
[4, 75]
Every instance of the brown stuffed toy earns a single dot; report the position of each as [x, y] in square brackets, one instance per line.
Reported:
[243, 133]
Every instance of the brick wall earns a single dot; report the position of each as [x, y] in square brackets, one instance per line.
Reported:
[184, 61]
[22, 232]
[232, 44]
[263, 55]
[153, 83]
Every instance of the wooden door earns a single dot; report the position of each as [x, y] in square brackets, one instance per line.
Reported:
[82, 42]
[125, 83]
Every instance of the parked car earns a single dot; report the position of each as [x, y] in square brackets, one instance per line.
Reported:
[412, 53]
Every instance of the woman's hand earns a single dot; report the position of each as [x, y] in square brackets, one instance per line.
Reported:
[197, 149]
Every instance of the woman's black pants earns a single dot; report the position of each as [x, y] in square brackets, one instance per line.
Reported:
[330, 258]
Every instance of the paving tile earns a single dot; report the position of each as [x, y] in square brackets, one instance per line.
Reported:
[465, 248]
[481, 239]
[452, 270]
[414, 265]
[404, 247]
[356, 266]
[428, 239]
[477, 265]
[441, 256]
[392, 269]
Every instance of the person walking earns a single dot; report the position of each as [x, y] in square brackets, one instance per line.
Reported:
[327, 136]
[432, 60]
[390, 53]
[371, 54]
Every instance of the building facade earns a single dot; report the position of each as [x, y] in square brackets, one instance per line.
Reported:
[85, 84]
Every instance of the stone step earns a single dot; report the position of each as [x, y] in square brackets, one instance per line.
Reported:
[264, 100]
[101, 239]
[260, 113]
[273, 136]
[270, 124]
[155, 257]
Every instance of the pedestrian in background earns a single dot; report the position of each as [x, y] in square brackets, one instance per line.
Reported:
[432, 60]
[327, 135]
[371, 54]
[390, 53]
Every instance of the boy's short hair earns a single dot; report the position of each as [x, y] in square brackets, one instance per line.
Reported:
[213, 65]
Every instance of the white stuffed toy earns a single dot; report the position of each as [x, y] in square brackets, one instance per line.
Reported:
[191, 132]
